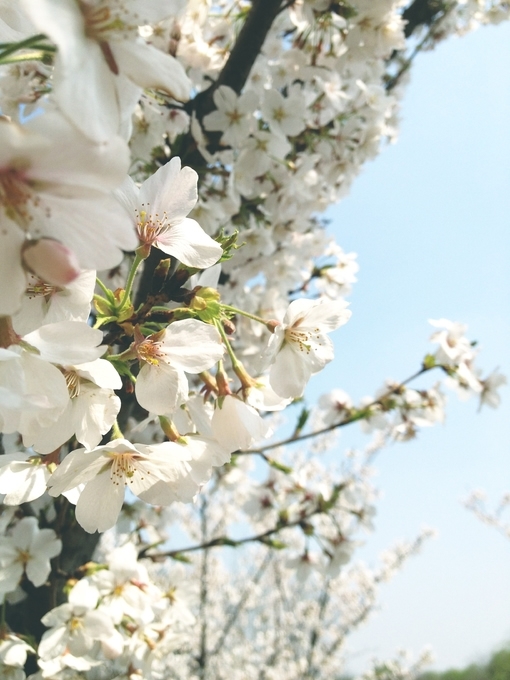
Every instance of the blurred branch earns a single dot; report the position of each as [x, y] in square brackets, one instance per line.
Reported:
[322, 507]
[361, 414]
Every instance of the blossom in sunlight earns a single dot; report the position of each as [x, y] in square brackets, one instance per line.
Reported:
[90, 412]
[490, 386]
[102, 62]
[23, 478]
[299, 347]
[233, 115]
[160, 207]
[28, 550]
[73, 629]
[188, 345]
[237, 425]
[107, 470]
[30, 388]
[454, 347]
[55, 188]
[90, 407]
[44, 303]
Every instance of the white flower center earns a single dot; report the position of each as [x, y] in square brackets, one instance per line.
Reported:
[41, 289]
[150, 227]
[150, 351]
[124, 466]
[301, 339]
[100, 21]
[73, 383]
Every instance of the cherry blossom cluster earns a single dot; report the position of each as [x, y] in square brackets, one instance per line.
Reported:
[167, 290]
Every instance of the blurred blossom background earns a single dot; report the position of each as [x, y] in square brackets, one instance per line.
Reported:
[429, 220]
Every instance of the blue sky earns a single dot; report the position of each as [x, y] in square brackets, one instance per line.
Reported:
[429, 219]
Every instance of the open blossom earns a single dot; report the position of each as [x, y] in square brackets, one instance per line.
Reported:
[73, 628]
[107, 470]
[30, 389]
[102, 62]
[188, 345]
[233, 115]
[43, 303]
[35, 391]
[159, 208]
[90, 411]
[158, 474]
[55, 185]
[454, 347]
[237, 425]
[29, 549]
[300, 347]
[23, 478]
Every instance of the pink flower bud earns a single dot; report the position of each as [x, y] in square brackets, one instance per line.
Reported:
[272, 325]
[51, 261]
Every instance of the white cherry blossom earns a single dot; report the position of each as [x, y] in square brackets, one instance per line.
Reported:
[107, 470]
[233, 115]
[159, 208]
[300, 347]
[23, 477]
[54, 183]
[73, 629]
[188, 345]
[102, 62]
[28, 550]
[90, 412]
[43, 303]
[237, 425]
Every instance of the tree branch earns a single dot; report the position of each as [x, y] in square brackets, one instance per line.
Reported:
[234, 74]
[320, 508]
[421, 13]
[357, 415]
[242, 601]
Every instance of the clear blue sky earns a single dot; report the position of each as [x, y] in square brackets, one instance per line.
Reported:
[429, 220]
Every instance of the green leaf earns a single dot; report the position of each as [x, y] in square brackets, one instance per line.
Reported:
[228, 243]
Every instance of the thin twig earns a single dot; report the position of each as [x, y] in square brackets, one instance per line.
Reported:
[358, 415]
[242, 601]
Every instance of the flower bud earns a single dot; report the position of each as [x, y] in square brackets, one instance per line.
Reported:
[51, 261]
[272, 325]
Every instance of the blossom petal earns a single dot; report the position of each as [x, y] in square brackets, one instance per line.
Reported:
[160, 389]
[192, 345]
[289, 373]
[170, 191]
[327, 315]
[67, 342]
[100, 503]
[12, 276]
[189, 243]
[149, 67]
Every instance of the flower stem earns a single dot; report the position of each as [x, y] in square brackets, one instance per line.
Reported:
[225, 339]
[105, 290]
[171, 431]
[116, 431]
[130, 279]
[235, 310]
